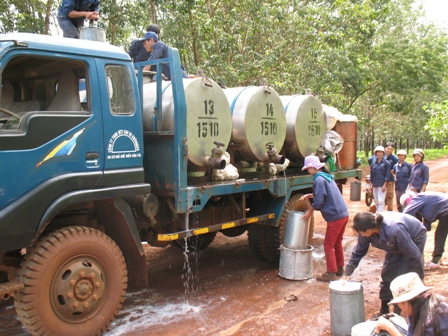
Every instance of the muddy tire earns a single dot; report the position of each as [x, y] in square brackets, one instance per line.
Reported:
[265, 241]
[369, 199]
[196, 243]
[75, 282]
[257, 241]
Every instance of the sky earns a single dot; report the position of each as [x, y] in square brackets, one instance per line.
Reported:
[436, 11]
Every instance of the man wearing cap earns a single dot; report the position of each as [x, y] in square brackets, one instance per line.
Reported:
[328, 199]
[158, 50]
[402, 172]
[391, 181]
[72, 13]
[380, 172]
[432, 206]
[137, 51]
[420, 172]
[427, 313]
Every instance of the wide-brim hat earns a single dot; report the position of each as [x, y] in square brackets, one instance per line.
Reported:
[312, 161]
[406, 287]
[379, 149]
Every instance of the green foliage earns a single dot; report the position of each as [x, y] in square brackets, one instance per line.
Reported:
[375, 59]
[437, 124]
[24, 16]
[434, 154]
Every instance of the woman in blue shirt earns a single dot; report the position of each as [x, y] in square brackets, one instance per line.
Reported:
[328, 199]
[402, 172]
[402, 236]
[420, 172]
[427, 313]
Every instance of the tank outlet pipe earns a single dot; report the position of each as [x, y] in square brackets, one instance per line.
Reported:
[216, 160]
[6, 296]
[145, 206]
[272, 156]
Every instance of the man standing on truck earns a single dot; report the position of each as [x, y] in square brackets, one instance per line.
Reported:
[158, 50]
[72, 13]
[137, 51]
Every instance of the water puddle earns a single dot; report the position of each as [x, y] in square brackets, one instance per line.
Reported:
[142, 314]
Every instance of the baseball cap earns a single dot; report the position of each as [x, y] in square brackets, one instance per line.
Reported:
[149, 35]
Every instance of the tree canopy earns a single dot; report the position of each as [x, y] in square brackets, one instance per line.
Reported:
[377, 59]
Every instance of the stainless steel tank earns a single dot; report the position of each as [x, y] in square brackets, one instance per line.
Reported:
[208, 115]
[257, 119]
[305, 125]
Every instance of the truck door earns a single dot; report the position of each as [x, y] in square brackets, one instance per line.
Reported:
[122, 123]
[51, 139]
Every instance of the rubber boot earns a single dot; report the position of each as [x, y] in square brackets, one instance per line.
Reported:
[384, 307]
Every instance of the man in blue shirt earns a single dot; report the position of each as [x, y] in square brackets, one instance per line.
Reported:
[380, 172]
[72, 13]
[158, 50]
[402, 172]
[432, 206]
[390, 190]
[137, 51]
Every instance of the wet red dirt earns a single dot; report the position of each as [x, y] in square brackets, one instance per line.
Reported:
[226, 290]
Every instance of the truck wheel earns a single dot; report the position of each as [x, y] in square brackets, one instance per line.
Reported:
[196, 243]
[75, 282]
[257, 240]
[265, 241]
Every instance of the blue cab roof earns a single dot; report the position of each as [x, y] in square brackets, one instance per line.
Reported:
[62, 45]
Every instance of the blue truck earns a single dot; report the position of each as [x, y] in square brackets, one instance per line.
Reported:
[98, 156]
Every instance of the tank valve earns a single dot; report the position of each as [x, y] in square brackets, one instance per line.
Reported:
[272, 156]
[216, 160]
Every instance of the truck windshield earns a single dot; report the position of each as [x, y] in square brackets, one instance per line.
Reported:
[34, 84]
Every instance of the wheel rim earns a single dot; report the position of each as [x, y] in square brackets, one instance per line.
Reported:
[78, 289]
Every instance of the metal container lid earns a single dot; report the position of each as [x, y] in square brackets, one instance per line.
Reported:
[348, 287]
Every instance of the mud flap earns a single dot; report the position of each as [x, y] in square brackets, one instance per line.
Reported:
[120, 225]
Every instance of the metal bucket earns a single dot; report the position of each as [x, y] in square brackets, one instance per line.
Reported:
[296, 264]
[296, 231]
[93, 34]
[355, 191]
[346, 307]
[364, 328]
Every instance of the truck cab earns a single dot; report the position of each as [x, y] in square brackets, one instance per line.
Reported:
[70, 147]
